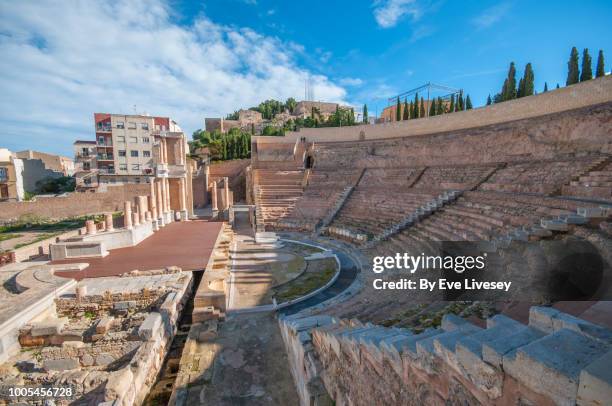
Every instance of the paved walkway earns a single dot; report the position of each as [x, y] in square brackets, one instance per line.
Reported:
[187, 245]
[245, 364]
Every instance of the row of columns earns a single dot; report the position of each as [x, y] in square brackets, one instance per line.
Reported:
[226, 196]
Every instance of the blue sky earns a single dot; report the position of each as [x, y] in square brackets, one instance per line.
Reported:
[195, 59]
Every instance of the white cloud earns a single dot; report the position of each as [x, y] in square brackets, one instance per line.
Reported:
[491, 15]
[388, 12]
[350, 82]
[422, 31]
[62, 64]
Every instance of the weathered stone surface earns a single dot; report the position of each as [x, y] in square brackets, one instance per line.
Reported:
[104, 324]
[48, 327]
[104, 359]
[595, 386]
[61, 364]
[118, 384]
[150, 326]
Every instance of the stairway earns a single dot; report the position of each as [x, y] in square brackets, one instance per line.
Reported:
[558, 356]
[595, 183]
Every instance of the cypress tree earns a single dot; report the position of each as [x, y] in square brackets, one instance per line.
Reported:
[600, 71]
[452, 103]
[521, 88]
[545, 87]
[509, 88]
[411, 110]
[460, 105]
[365, 113]
[398, 110]
[422, 110]
[557, 85]
[440, 107]
[587, 68]
[406, 112]
[489, 100]
[528, 79]
[416, 105]
[572, 68]
[432, 107]
[468, 103]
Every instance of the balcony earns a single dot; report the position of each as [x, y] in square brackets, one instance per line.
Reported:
[106, 171]
[104, 129]
[105, 157]
[108, 143]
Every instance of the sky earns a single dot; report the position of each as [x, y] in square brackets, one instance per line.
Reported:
[64, 60]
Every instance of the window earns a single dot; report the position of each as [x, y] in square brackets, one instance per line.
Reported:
[134, 154]
[133, 139]
[121, 138]
[122, 152]
[145, 140]
[146, 154]
[100, 140]
[86, 166]
[131, 126]
[85, 151]
[3, 174]
[123, 167]
[144, 126]
[135, 167]
[120, 124]
[137, 180]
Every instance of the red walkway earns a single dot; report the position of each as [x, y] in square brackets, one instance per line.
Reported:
[187, 245]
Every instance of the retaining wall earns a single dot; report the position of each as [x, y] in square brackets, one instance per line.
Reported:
[556, 359]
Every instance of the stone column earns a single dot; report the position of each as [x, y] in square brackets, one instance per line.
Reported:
[90, 226]
[136, 218]
[127, 215]
[108, 219]
[213, 196]
[152, 202]
[147, 216]
[164, 151]
[206, 183]
[163, 193]
[142, 208]
[226, 191]
[182, 199]
[160, 204]
[168, 205]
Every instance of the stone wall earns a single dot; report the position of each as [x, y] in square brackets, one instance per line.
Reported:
[235, 171]
[556, 359]
[577, 96]
[569, 134]
[74, 204]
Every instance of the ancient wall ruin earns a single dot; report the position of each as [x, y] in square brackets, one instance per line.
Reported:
[74, 204]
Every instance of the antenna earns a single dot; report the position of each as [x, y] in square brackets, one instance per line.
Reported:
[134, 109]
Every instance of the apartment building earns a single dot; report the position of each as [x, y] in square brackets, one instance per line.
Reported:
[131, 149]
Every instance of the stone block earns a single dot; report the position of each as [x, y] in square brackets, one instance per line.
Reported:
[104, 324]
[494, 351]
[125, 305]
[104, 359]
[60, 364]
[595, 384]
[451, 322]
[48, 327]
[118, 384]
[552, 365]
[591, 212]
[150, 326]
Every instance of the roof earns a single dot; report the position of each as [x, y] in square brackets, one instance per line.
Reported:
[84, 142]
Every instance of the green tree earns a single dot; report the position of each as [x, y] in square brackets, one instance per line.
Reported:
[468, 103]
[528, 80]
[572, 68]
[489, 102]
[440, 109]
[405, 113]
[452, 103]
[509, 88]
[398, 110]
[422, 110]
[459, 106]
[600, 70]
[520, 92]
[432, 107]
[545, 87]
[290, 104]
[365, 113]
[587, 68]
[415, 106]
[557, 85]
